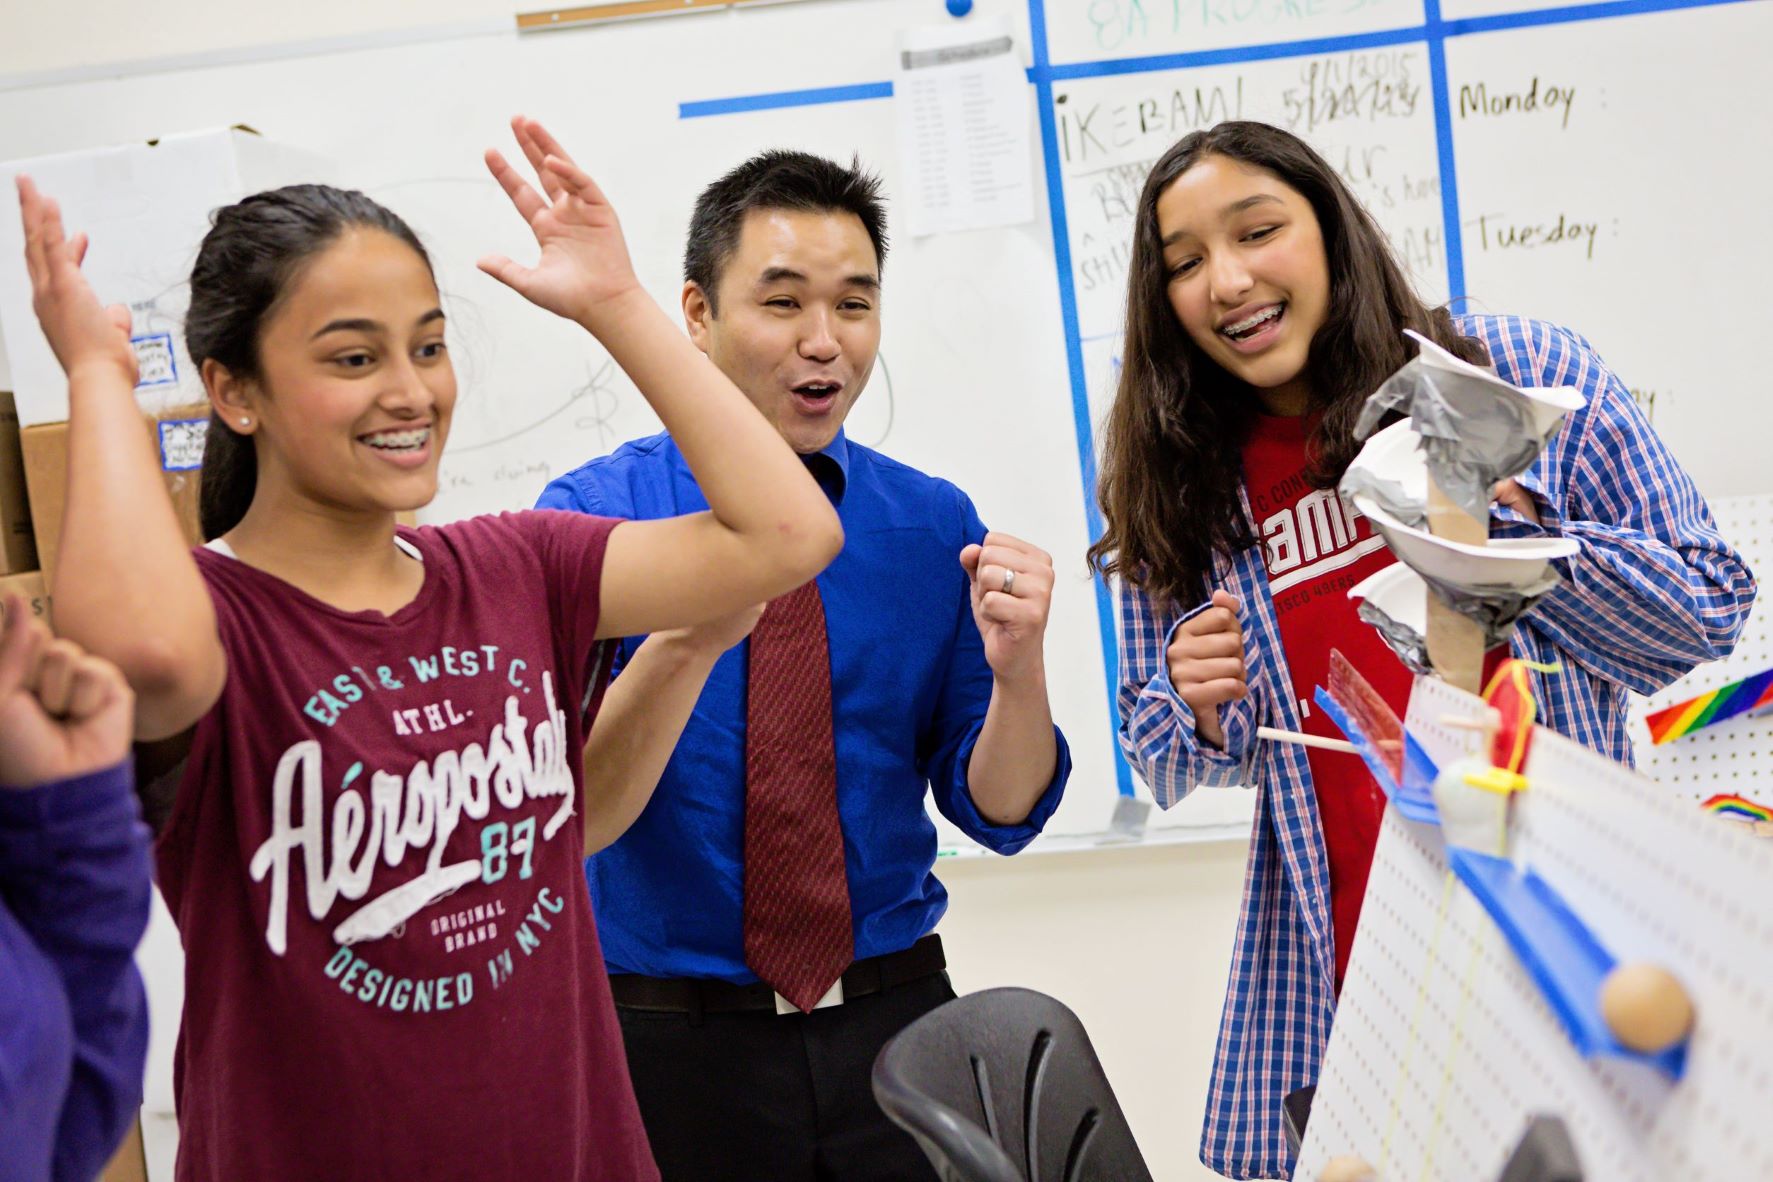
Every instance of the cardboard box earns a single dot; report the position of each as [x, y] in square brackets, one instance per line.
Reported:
[18, 550]
[146, 208]
[176, 436]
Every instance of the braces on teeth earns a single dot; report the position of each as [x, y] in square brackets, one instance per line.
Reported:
[1251, 322]
[399, 440]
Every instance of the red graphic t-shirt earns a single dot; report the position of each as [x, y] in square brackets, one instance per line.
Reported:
[375, 863]
[1317, 547]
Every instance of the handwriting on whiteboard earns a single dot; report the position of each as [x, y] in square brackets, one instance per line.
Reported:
[1117, 23]
[1547, 100]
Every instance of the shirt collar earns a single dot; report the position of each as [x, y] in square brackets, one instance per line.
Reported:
[830, 466]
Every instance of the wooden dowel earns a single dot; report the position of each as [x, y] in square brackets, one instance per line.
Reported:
[1455, 642]
[1305, 740]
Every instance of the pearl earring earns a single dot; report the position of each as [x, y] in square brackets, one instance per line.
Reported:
[246, 420]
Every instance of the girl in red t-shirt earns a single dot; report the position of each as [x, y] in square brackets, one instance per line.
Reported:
[1264, 306]
[369, 842]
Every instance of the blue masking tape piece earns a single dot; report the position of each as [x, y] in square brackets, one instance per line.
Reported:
[1451, 227]
[1557, 950]
[785, 98]
[1571, 14]
[181, 444]
[156, 360]
[1248, 53]
[1080, 393]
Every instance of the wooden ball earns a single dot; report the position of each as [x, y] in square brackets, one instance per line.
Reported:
[1645, 1007]
[1346, 1168]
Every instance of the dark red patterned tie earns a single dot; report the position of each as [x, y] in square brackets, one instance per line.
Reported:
[797, 901]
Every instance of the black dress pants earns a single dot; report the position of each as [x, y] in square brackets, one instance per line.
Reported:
[764, 1097]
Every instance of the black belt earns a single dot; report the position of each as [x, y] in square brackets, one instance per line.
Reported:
[695, 996]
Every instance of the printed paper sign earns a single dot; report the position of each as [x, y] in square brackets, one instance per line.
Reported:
[181, 444]
[155, 361]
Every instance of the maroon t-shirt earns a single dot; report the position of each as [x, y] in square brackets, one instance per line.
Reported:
[375, 863]
[1317, 547]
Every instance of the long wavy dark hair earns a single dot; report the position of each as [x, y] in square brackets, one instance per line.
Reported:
[1172, 443]
[254, 250]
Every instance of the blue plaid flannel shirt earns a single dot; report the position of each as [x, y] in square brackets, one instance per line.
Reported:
[1654, 591]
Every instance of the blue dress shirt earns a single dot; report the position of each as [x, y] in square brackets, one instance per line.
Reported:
[909, 691]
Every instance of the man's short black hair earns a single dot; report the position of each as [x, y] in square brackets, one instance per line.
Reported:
[777, 179]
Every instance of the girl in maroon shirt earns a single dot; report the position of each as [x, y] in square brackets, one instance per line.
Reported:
[391, 966]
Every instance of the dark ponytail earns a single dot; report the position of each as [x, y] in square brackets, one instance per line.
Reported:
[254, 250]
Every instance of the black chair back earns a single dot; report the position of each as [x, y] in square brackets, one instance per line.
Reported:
[1003, 1086]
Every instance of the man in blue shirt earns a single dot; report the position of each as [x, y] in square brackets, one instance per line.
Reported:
[767, 915]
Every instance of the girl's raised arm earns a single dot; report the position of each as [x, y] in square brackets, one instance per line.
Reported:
[125, 587]
[770, 528]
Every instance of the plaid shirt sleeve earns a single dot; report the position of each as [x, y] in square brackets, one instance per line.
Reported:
[1156, 725]
[1655, 589]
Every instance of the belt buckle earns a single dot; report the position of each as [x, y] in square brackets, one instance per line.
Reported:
[833, 997]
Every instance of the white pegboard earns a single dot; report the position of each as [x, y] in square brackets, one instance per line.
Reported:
[1734, 756]
[1444, 1047]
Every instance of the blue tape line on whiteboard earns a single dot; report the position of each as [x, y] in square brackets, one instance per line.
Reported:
[1080, 393]
[785, 98]
[1441, 88]
[1037, 38]
[1247, 53]
[1572, 14]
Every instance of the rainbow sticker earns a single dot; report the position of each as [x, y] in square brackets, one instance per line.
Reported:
[1738, 806]
[1739, 697]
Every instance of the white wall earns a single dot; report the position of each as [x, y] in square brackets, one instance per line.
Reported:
[39, 37]
[1137, 941]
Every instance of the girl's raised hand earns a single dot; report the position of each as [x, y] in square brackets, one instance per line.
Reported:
[81, 332]
[584, 268]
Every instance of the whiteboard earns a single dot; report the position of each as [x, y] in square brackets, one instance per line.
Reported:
[1633, 164]
[999, 347]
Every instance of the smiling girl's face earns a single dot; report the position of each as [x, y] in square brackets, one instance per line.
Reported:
[356, 388]
[1247, 275]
